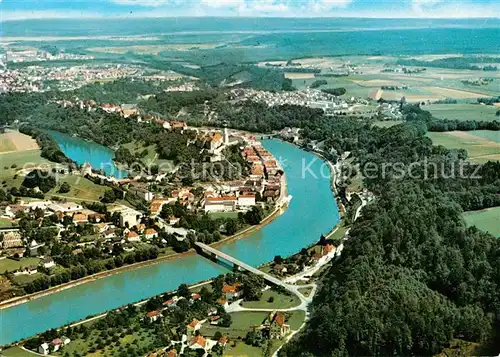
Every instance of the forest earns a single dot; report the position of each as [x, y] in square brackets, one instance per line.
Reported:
[412, 277]
[462, 62]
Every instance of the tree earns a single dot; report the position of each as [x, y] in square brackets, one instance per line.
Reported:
[231, 226]
[183, 290]
[108, 197]
[252, 286]
[65, 188]
[41, 179]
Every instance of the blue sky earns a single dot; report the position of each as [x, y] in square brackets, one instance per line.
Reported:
[24, 9]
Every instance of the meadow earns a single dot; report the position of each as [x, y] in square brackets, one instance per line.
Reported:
[486, 220]
[463, 112]
[14, 141]
[479, 148]
[12, 265]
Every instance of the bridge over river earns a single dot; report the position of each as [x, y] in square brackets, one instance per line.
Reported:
[217, 254]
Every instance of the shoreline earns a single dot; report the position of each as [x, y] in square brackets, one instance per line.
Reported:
[279, 209]
[239, 235]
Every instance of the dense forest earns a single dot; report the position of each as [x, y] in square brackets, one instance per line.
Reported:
[455, 63]
[412, 276]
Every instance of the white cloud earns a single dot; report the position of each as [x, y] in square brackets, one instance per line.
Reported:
[419, 6]
[47, 14]
[263, 7]
[222, 3]
[335, 3]
[149, 3]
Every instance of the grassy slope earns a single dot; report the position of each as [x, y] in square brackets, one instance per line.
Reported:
[479, 150]
[486, 220]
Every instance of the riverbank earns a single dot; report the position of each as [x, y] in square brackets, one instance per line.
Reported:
[311, 213]
[240, 235]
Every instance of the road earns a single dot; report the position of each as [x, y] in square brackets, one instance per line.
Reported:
[273, 280]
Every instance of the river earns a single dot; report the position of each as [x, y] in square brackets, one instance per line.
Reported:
[312, 212]
[82, 151]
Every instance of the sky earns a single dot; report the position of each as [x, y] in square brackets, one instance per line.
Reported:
[29, 9]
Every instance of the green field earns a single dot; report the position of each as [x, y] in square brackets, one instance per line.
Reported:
[5, 223]
[12, 265]
[27, 159]
[16, 352]
[152, 157]
[280, 301]
[387, 123]
[296, 319]
[486, 220]
[242, 322]
[242, 350]
[463, 112]
[488, 134]
[479, 148]
[81, 188]
[31, 157]
[215, 215]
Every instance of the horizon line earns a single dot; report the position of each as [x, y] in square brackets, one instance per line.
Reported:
[125, 16]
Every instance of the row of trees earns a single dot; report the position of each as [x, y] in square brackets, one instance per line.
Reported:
[89, 267]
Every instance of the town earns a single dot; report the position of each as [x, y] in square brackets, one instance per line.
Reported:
[243, 186]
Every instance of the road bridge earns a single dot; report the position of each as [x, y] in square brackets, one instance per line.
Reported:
[217, 254]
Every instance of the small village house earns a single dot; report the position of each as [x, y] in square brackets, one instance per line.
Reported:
[197, 342]
[150, 233]
[133, 237]
[192, 327]
[153, 316]
[48, 262]
[231, 291]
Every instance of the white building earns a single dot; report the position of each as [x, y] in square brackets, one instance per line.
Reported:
[220, 204]
[130, 216]
[43, 349]
[246, 200]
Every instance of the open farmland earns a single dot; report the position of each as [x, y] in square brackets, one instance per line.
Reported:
[13, 163]
[299, 75]
[480, 149]
[463, 112]
[486, 220]
[152, 49]
[14, 141]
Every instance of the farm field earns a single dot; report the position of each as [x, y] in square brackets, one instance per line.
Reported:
[430, 85]
[486, 220]
[13, 163]
[14, 141]
[463, 112]
[480, 149]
